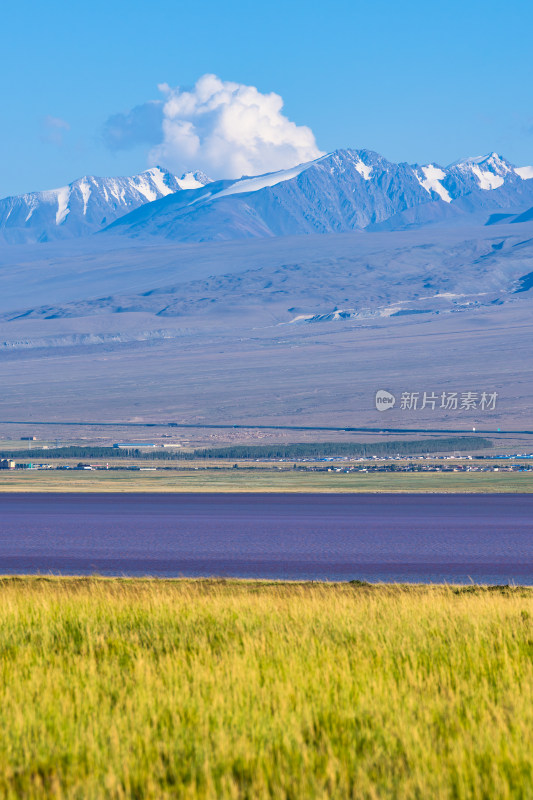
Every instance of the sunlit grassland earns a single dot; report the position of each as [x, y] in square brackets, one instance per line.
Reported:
[213, 689]
[256, 480]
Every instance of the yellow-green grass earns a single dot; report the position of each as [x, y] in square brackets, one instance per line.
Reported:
[210, 689]
[238, 480]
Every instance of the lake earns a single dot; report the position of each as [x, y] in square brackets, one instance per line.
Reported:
[375, 537]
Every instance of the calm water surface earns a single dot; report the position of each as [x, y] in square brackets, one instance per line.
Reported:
[460, 538]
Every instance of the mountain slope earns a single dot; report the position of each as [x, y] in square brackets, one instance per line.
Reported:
[344, 191]
[291, 330]
[525, 216]
[86, 205]
[276, 281]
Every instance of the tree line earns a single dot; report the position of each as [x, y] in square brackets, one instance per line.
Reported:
[277, 451]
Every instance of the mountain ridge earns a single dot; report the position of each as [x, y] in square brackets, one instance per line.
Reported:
[342, 191]
[86, 204]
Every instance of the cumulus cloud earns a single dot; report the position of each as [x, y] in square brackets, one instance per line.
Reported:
[142, 125]
[228, 130]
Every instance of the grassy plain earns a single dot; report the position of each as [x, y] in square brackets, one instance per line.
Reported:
[261, 480]
[212, 689]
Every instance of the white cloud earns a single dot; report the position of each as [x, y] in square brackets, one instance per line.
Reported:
[228, 130]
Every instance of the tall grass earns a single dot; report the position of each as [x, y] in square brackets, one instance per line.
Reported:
[155, 689]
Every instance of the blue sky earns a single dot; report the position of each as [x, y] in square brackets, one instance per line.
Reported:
[416, 81]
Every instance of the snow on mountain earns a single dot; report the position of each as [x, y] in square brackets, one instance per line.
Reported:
[345, 190]
[342, 191]
[489, 171]
[525, 172]
[86, 205]
[263, 181]
[431, 181]
[193, 180]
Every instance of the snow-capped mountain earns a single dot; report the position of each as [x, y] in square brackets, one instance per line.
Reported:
[141, 325]
[343, 191]
[86, 205]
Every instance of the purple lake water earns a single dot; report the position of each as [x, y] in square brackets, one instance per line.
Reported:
[376, 537]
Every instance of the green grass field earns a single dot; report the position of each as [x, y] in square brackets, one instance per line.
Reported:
[211, 689]
[255, 480]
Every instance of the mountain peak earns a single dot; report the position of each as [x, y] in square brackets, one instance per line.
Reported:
[81, 207]
[347, 189]
[194, 180]
[489, 171]
[473, 160]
